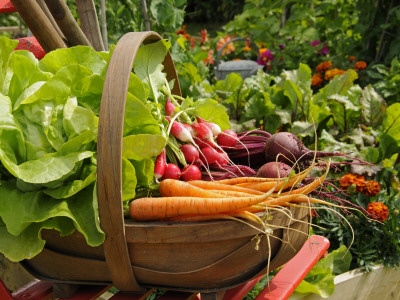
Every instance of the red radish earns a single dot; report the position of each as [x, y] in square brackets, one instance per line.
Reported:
[160, 164]
[215, 129]
[203, 131]
[223, 159]
[191, 172]
[172, 171]
[180, 132]
[274, 170]
[209, 155]
[190, 128]
[169, 107]
[203, 143]
[227, 138]
[190, 153]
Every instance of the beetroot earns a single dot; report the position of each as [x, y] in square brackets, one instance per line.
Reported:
[274, 170]
[286, 145]
[288, 148]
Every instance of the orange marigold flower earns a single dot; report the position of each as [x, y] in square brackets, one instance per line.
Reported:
[347, 180]
[352, 58]
[228, 49]
[370, 188]
[378, 211]
[330, 74]
[324, 66]
[360, 65]
[316, 80]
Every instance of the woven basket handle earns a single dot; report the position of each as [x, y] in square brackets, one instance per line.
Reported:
[109, 160]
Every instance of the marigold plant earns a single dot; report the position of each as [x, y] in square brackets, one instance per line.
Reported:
[360, 65]
[378, 211]
[370, 188]
[324, 66]
[349, 179]
[316, 80]
[330, 74]
[352, 58]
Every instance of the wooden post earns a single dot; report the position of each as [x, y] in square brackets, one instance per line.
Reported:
[145, 15]
[67, 23]
[39, 24]
[104, 23]
[90, 23]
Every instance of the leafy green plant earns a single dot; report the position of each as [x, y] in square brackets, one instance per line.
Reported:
[362, 27]
[373, 242]
[387, 80]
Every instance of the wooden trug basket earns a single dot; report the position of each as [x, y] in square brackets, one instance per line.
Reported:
[199, 256]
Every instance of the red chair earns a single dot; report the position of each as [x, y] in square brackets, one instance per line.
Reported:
[280, 287]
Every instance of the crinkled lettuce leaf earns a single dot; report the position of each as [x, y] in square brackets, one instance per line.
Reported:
[24, 214]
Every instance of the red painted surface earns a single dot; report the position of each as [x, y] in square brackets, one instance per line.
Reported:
[289, 277]
[34, 290]
[6, 6]
[31, 44]
[4, 293]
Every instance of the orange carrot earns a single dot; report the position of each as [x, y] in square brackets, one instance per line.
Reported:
[309, 187]
[286, 182]
[231, 193]
[214, 185]
[241, 180]
[177, 188]
[166, 207]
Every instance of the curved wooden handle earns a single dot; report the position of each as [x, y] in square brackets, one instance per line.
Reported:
[109, 160]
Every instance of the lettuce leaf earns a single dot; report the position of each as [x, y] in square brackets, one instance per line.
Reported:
[25, 214]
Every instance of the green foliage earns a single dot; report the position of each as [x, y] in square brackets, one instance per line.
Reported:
[373, 242]
[363, 29]
[320, 279]
[387, 80]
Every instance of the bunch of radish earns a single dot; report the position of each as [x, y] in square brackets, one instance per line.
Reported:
[202, 145]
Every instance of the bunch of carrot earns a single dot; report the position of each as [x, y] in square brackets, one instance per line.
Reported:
[242, 197]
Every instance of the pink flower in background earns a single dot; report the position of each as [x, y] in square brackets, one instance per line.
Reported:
[266, 57]
[324, 51]
[315, 43]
